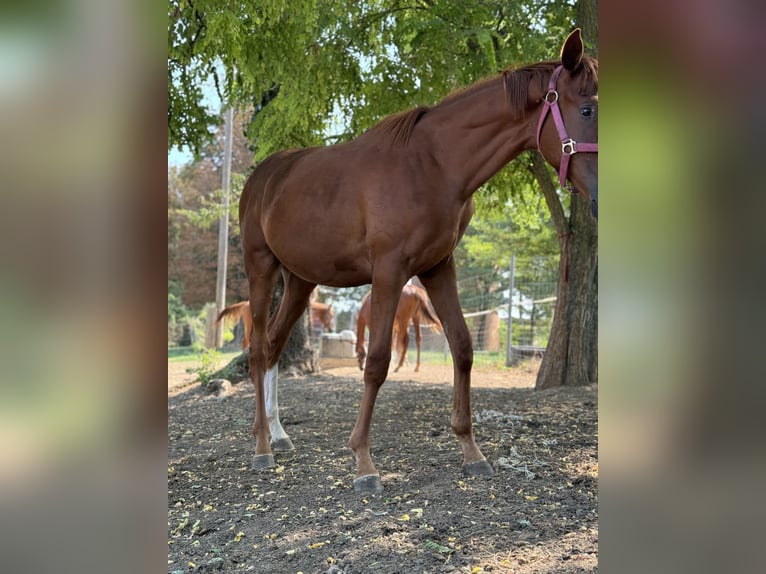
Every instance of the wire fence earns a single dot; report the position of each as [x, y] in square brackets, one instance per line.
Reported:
[509, 313]
[525, 291]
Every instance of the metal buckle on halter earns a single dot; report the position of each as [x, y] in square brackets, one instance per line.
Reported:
[571, 144]
[555, 97]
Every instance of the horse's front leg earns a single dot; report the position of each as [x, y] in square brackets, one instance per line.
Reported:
[441, 284]
[385, 297]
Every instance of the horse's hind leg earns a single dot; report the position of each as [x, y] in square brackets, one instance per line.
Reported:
[441, 284]
[402, 338]
[418, 339]
[262, 268]
[294, 301]
[279, 442]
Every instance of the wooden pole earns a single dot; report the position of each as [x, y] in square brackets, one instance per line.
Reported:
[223, 227]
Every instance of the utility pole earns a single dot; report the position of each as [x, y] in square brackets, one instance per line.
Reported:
[223, 228]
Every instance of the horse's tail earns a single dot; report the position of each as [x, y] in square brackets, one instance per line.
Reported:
[234, 311]
[428, 317]
[237, 311]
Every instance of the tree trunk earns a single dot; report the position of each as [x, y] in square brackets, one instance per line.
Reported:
[586, 16]
[298, 355]
[572, 354]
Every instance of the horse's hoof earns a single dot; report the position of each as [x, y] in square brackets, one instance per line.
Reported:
[368, 484]
[282, 445]
[478, 468]
[263, 461]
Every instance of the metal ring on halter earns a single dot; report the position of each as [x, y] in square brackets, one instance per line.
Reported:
[555, 98]
[571, 144]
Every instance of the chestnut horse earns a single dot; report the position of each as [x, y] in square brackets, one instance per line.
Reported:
[413, 308]
[322, 316]
[391, 204]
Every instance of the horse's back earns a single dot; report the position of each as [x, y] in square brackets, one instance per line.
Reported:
[350, 175]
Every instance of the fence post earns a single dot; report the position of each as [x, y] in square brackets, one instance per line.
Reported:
[508, 345]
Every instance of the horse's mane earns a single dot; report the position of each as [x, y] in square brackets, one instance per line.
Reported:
[399, 126]
[516, 82]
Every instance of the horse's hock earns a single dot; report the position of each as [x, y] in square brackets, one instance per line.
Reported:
[337, 345]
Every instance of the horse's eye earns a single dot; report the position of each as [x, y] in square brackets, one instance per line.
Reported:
[586, 112]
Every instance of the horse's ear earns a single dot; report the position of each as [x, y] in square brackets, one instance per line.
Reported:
[572, 51]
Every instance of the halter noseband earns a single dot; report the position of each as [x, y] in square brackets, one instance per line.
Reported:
[569, 147]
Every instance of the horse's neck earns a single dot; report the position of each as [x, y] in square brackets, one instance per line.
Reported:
[475, 135]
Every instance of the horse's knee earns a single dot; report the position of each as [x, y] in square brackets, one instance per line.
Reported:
[255, 361]
[375, 370]
[462, 356]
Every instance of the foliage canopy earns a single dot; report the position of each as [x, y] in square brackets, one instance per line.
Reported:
[316, 72]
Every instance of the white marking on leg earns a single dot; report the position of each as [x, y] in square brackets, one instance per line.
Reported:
[271, 384]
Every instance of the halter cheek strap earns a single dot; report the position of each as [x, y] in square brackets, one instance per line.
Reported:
[569, 147]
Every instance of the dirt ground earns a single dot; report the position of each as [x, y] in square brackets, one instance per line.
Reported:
[537, 514]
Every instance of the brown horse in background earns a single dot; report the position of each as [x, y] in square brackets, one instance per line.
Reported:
[322, 316]
[413, 308]
[392, 204]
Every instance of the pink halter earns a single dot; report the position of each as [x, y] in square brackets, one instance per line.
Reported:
[569, 147]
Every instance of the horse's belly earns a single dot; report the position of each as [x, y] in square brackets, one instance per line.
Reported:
[325, 266]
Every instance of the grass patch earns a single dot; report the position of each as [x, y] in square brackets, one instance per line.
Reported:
[496, 359]
[179, 354]
[186, 354]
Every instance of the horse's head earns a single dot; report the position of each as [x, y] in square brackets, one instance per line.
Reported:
[330, 319]
[568, 128]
